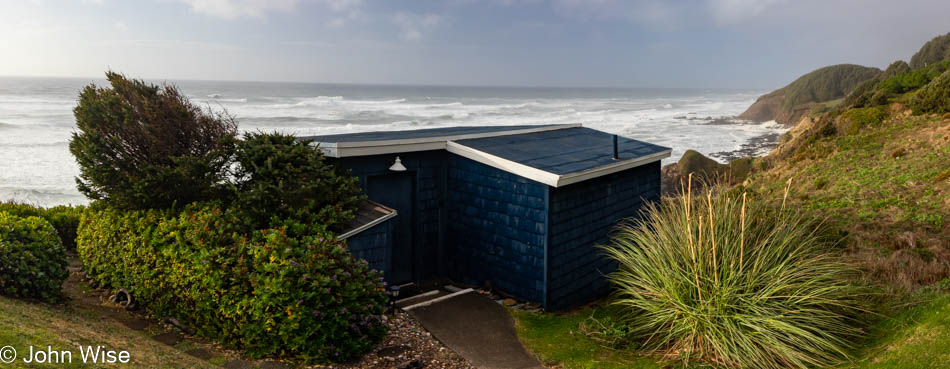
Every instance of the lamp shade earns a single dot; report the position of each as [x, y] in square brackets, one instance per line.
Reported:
[397, 166]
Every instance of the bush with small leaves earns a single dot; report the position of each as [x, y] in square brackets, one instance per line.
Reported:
[32, 259]
[934, 97]
[280, 177]
[290, 290]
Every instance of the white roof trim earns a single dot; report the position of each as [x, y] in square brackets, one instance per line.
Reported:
[531, 173]
[366, 226]
[363, 148]
[621, 165]
[548, 178]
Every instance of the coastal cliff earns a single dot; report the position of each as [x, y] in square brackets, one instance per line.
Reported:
[789, 104]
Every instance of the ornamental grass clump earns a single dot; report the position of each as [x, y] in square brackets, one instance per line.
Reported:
[734, 282]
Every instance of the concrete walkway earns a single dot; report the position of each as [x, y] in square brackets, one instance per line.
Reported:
[478, 329]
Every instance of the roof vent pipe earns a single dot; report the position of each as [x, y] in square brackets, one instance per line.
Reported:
[616, 153]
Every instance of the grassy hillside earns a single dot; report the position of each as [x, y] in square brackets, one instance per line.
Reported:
[882, 177]
[788, 104]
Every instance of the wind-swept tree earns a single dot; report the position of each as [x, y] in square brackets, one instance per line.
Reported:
[142, 146]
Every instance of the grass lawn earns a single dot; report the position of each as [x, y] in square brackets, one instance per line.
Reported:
[24, 324]
[916, 337]
[555, 339]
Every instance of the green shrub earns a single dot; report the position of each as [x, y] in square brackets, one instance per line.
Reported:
[139, 146]
[291, 290]
[893, 83]
[897, 67]
[740, 168]
[861, 95]
[852, 121]
[279, 177]
[710, 279]
[32, 259]
[692, 162]
[65, 219]
[934, 51]
[934, 97]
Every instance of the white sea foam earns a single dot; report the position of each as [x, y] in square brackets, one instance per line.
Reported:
[36, 123]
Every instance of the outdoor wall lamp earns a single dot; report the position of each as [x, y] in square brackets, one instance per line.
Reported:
[397, 166]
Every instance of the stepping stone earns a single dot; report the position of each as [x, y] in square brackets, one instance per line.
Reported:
[273, 365]
[392, 351]
[134, 324]
[238, 364]
[168, 338]
[415, 364]
[199, 353]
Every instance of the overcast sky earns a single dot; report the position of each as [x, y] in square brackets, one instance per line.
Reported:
[636, 43]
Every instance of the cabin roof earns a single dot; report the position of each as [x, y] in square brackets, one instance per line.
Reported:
[563, 151]
[556, 155]
[421, 134]
[368, 214]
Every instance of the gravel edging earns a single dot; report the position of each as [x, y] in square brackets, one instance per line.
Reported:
[407, 345]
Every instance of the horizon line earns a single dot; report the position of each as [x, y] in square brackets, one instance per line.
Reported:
[393, 84]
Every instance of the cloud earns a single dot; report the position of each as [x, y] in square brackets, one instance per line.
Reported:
[343, 5]
[731, 11]
[181, 46]
[663, 14]
[232, 9]
[412, 25]
[345, 11]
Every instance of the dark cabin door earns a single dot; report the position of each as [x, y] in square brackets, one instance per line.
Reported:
[396, 190]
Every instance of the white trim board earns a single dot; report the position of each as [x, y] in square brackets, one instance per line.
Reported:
[366, 226]
[437, 299]
[548, 178]
[363, 148]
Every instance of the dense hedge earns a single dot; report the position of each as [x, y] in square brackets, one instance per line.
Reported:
[292, 290]
[32, 258]
[65, 219]
[278, 176]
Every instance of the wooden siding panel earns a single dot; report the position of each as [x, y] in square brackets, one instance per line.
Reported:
[496, 228]
[582, 216]
[373, 245]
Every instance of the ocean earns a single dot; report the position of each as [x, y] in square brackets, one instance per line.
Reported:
[36, 118]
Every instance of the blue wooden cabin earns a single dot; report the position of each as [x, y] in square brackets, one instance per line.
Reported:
[521, 207]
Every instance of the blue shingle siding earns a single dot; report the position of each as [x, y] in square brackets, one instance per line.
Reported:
[496, 228]
[581, 216]
[475, 223]
[373, 245]
[428, 168]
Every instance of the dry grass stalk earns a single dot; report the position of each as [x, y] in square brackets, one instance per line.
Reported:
[742, 233]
